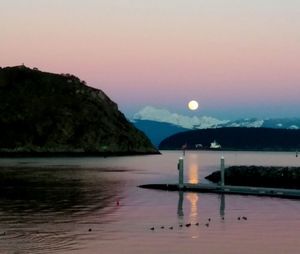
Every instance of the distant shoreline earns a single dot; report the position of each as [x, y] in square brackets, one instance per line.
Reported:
[235, 138]
[72, 154]
[235, 150]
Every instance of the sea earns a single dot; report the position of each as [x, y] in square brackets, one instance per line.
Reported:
[89, 205]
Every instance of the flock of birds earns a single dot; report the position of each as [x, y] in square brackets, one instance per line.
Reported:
[196, 224]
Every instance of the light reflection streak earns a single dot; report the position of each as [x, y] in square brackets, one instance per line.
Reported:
[193, 173]
[193, 199]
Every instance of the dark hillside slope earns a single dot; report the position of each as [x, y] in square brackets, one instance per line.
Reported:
[157, 131]
[236, 139]
[42, 112]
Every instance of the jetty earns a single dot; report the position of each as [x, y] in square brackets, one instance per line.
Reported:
[222, 188]
[227, 189]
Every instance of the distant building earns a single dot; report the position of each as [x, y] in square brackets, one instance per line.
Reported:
[215, 145]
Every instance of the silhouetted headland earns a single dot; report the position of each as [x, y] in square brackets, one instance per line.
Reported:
[46, 114]
[235, 138]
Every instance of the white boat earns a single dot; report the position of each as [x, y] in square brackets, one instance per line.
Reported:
[215, 145]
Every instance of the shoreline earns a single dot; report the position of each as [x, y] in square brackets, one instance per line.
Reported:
[234, 150]
[72, 154]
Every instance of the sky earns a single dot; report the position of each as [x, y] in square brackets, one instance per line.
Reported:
[237, 58]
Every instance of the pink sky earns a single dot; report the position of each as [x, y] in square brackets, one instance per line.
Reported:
[237, 58]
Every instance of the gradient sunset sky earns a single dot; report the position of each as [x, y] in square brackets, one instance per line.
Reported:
[237, 58]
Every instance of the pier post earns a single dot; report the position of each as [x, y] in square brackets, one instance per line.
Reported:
[180, 204]
[222, 171]
[180, 167]
[222, 205]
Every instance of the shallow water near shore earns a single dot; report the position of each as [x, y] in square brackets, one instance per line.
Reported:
[93, 205]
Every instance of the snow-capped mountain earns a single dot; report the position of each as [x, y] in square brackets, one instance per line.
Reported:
[164, 116]
[158, 124]
[248, 122]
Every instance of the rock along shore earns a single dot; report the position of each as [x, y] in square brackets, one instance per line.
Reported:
[259, 176]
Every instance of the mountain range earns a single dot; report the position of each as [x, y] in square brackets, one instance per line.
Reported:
[159, 124]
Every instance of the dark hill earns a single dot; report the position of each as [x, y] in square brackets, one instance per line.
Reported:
[42, 112]
[236, 139]
[157, 131]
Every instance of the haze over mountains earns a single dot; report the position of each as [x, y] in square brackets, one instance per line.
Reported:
[158, 123]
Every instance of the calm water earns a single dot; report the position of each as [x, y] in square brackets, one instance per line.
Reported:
[92, 205]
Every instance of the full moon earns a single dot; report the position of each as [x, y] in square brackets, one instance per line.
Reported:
[193, 105]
